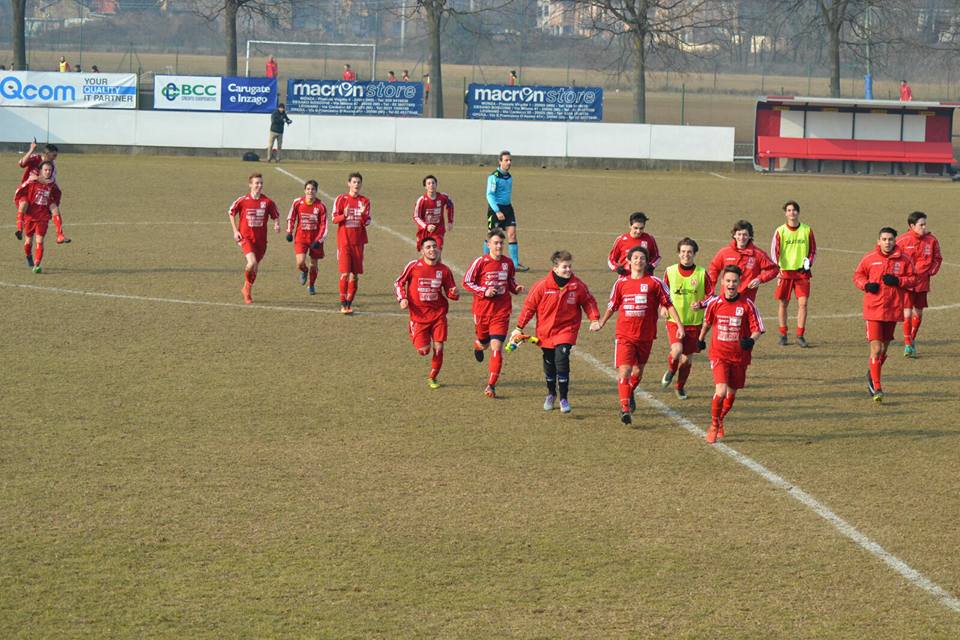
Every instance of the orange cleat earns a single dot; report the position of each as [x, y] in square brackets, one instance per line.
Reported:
[490, 391]
[712, 433]
[720, 430]
[61, 239]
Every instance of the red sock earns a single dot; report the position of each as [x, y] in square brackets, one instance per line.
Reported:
[875, 365]
[26, 249]
[783, 330]
[313, 276]
[58, 223]
[19, 220]
[343, 288]
[800, 331]
[624, 390]
[436, 363]
[915, 327]
[496, 364]
[684, 374]
[672, 364]
[727, 405]
[38, 255]
[716, 406]
[351, 289]
[634, 380]
[908, 330]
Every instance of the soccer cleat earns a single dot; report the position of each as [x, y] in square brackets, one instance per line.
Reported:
[625, 417]
[666, 379]
[312, 290]
[909, 351]
[346, 310]
[548, 402]
[720, 430]
[878, 395]
[633, 402]
[870, 388]
[478, 354]
[802, 342]
[565, 406]
[432, 383]
[490, 391]
[247, 299]
[62, 239]
[522, 268]
[782, 341]
[712, 433]
[30, 261]
[681, 394]
[303, 277]
[37, 269]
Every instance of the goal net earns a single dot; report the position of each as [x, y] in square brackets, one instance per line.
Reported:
[311, 60]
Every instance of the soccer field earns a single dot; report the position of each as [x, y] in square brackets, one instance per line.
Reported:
[175, 463]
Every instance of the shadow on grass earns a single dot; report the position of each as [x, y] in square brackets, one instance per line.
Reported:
[807, 438]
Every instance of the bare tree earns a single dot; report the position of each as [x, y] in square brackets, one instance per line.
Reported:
[229, 10]
[18, 24]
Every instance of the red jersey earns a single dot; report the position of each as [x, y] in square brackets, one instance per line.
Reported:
[639, 302]
[752, 260]
[39, 196]
[924, 251]
[352, 215]
[32, 165]
[430, 211]
[310, 220]
[558, 310]
[731, 320]
[253, 214]
[426, 288]
[623, 244]
[887, 304]
[349, 75]
[485, 272]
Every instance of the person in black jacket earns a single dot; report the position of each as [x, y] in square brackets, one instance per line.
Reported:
[278, 119]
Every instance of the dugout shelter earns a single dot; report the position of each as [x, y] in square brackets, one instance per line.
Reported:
[841, 135]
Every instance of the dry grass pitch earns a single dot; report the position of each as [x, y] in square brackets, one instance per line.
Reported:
[175, 464]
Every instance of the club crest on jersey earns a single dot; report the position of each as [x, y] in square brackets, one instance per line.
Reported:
[263, 204]
[504, 267]
[693, 283]
[739, 311]
[439, 275]
[750, 263]
[897, 267]
[643, 288]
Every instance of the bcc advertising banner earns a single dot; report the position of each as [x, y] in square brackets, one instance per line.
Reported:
[345, 98]
[82, 90]
[213, 93]
[503, 102]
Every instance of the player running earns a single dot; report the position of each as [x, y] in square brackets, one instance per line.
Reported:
[253, 210]
[738, 327]
[30, 163]
[923, 249]
[558, 301]
[756, 267]
[638, 297]
[491, 279]
[428, 213]
[308, 218]
[500, 212]
[793, 248]
[37, 199]
[351, 213]
[635, 237]
[885, 275]
[689, 287]
[423, 289]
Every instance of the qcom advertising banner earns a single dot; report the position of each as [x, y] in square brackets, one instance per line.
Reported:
[78, 90]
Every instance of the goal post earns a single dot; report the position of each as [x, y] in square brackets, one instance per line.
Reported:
[260, 45]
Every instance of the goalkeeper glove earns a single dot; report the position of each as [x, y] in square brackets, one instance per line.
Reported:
[623, 271]
[872, 287]
[701, 345]
[19, 234]
[805, 267]
[891, 280]
[650, 269]
[316, 245]
[746, 343]
[289, 237]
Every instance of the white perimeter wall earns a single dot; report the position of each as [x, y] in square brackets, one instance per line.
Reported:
[390, 135]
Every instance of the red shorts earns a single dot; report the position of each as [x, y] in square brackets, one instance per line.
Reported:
[258, 249]
[731, 374]
[786, 286]
[880, 330]
[915, 299]
[436, 235]
[301, 248]
[350, 258]
[33, 227]
[690, 336]
[492, 325]
[421, 333]
[630, 353]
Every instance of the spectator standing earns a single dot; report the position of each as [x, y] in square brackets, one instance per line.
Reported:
[906, 94]
[273, 70]
[391, 76]
[63, 65]
[512, 79]
[349, 74]
[406, 76]
[278, 119]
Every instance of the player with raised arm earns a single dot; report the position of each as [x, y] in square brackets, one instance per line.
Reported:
[923, 249]
[638, 297]
[491, 279]
[558, 302]
[884, 275]
[794, 248]
[423, 289]
[500, 213]
[253, 210]
[428, 213]
[737, 326]
[755, 265]
[37, 200]
[351, 213]
[690, 287]
[636, 236]
[30, 163]
[307, 229]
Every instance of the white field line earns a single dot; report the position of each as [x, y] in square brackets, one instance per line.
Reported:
[717, 175]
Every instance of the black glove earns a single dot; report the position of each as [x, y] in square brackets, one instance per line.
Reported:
[289, 237]
[19, 234]
[891, 280]
[746, 343]
[650, 269]
[623, 271]
[701, 345]
[872, 287]
[316, 245]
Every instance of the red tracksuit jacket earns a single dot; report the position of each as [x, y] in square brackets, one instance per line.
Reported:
[752, 260]
[887, 304]
[558, 310]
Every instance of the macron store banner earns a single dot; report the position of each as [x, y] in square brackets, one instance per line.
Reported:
[81, 90]
[213, 93]
[346, 98]
[503, 102]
